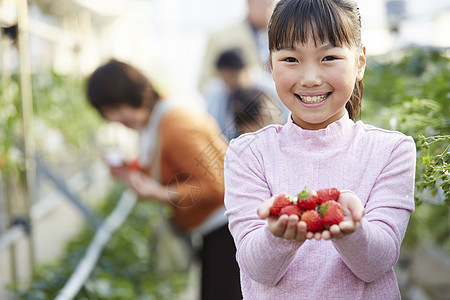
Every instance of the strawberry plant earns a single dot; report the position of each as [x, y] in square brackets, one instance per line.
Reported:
[60, 103]
[410, 92]
[10, 122]
[436, 167]
[125, 269]
[60, 110]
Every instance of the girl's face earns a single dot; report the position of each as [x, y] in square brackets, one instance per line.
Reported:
[315, 82]
[132, 117]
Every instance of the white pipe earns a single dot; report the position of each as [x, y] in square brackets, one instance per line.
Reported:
[51, 201]
[102, 236]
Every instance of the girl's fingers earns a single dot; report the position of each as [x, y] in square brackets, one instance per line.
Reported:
[335, 231]
[301, 231]
[346, 226]
[264, 210]
[291, 229]
[326, 235]
[318, 235]
[352, 203]
[358, 214]
[278, 226]
[357, 210]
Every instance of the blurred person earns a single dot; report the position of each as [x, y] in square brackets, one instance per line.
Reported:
[253, 109]
[180, 165]
[233, 74]
[250, 35]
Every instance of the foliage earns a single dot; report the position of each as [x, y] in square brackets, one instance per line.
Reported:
[409, 92]
[429, 225]
[436, 166]
[60, 102]
[431, 221]
[124, 269]
[61, 113]
[413, 73]
[60, 110]
[10, 123]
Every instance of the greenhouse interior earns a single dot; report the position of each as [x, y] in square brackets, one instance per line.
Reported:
[71, 228]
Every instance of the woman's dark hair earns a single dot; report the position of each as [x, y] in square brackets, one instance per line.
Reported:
[117, 83]
[335, 21]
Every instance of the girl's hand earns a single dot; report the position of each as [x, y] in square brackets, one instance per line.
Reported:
[291, 229]
[286, 227]
[353, 213]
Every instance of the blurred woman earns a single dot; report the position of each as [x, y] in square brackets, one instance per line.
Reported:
[181, 166]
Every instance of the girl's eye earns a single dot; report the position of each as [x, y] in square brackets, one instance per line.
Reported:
[290, 60]
[329, 58]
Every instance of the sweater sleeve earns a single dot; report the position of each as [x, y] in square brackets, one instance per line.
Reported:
[374, 248]
[262, 256]
[192, 162]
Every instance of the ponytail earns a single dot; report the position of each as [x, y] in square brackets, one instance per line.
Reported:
[353, 106]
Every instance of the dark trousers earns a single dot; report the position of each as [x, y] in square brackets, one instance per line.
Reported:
[220, 271]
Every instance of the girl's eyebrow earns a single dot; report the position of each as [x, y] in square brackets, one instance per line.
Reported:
[326, 46]
[288, 48]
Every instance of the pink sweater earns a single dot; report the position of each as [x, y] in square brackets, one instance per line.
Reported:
[376, 164]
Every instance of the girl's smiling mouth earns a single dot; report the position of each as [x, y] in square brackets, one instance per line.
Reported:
[312, 99]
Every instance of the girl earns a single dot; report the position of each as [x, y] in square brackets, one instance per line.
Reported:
[318, 63]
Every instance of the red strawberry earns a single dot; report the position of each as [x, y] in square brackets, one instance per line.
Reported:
[280, 201]
[328, 194]
[291, 209]
[134, 165]
[331, 212]
[307, 199]
[313, 220]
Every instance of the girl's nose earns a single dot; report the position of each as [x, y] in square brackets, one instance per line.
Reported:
[311, 76]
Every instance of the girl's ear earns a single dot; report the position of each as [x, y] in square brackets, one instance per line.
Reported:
[361, 63]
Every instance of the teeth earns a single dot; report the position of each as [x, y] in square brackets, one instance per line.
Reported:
[313, 99]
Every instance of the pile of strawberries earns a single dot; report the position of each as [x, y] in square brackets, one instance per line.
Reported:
[318, 209]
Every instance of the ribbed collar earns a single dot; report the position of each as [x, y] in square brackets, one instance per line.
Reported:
[337, 134]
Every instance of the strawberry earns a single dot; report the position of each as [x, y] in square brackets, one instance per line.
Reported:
[307, 199]
[134, 165]
[328, 194]
[331, 212]
[291, 209]
[313, 220]
[280, 201]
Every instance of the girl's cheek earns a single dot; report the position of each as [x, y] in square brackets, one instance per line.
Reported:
[285, 80]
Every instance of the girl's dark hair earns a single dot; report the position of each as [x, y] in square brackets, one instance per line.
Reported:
[335, 21]
[117, 83]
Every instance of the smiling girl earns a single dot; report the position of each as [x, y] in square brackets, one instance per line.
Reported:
[318, 63]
